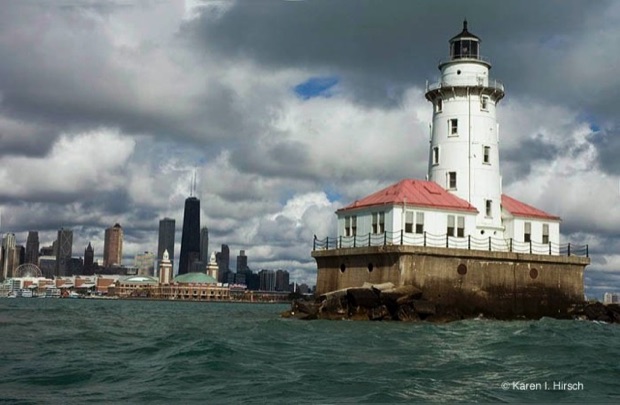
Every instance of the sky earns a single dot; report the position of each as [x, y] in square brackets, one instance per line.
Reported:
[289, 110]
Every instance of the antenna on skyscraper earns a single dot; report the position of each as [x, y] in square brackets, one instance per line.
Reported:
[194, 184]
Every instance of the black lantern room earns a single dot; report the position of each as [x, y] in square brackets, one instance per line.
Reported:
[465, 45]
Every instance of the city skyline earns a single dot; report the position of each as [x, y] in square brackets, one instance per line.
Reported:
[283, 130]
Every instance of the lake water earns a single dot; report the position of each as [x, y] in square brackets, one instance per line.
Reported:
[111, 351]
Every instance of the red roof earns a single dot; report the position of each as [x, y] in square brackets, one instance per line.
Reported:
[520, 209]
[411, 192]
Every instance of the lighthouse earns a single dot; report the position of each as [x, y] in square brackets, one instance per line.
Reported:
[461, 204]
[464, 152]
[455, 235]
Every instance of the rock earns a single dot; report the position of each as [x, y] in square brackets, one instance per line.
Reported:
[596, 312]
[362, 297]
[306, 307]
[379, 313]
[333, 294]
[334, 303]
[424, 307]
[407, 314]
[359, 314]
[613, 311]
[379, 288]
[405, 294]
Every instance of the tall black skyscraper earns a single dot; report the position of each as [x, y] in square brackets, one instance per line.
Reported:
[204, 245]
[32, 248]
[190, 238]
[223, 262]
[166, 239]
[64, 248]
[89, 260]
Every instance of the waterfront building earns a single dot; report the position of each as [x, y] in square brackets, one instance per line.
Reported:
[204, 245]
[166, 237]
[190, 237]
[32, 248]
[145, 263]
[165, 269]
[611, 298]
[64, 250]
[89, 260]
[113, 246]
[282, 280]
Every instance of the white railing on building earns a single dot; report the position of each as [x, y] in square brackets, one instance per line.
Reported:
[492, 244]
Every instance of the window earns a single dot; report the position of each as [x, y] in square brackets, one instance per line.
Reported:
[439, 105]
[486, 155]
[452, 180]
[460, 227]
[527, 232]
[419, 222]
[489, 208]
[354, 225]
[454, 126]
[347, 226]
[484, 103]
[456, 226]
[436, 155]
[450, 230]
[375, 222]
[545, 233]
[378, 222]
[410, 225]
[409, 222]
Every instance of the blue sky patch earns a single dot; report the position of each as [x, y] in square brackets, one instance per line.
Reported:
[316, 87]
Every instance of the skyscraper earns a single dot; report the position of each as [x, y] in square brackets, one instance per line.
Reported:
[8, 256]
[145, 263]
[267, 280]
[89, 260]
[204, 245]
[32, 248]
[282, 280]
[113, 246]
[242, 262]
[223, 261]
[166, 239]
[190, 238]
[64, 250]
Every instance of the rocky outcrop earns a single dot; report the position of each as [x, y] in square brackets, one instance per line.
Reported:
[597, 311]
[372, 302]
[382, 302]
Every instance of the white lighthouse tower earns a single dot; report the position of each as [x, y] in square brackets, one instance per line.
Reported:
[464, 155]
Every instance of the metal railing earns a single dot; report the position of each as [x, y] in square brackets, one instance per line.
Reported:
[491, 244]
[493, 84]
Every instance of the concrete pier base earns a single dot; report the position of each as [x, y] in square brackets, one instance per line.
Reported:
[499, 284]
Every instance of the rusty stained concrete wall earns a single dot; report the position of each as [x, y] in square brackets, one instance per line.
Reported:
[504, 285]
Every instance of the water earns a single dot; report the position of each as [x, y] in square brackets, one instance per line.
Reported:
[76, 351]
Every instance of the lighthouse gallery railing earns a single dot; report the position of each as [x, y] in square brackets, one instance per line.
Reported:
[492, 244]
